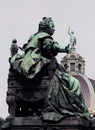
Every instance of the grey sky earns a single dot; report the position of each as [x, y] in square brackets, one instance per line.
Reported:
[19, 19]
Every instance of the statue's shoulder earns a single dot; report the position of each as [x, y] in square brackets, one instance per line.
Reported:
[42, 35]
[39, 35]
[33, 41]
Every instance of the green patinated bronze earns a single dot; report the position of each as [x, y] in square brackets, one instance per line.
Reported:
[72, 37]
[63, 96]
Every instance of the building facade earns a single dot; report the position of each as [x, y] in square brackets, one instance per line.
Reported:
[74, 64]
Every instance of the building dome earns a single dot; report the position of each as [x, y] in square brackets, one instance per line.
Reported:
[74, 64]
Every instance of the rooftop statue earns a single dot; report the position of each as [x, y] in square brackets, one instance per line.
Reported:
[45, 88]
[72, 37]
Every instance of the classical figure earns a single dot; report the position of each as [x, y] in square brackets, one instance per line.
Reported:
[72, 37]
[47, 89]
[14, 47]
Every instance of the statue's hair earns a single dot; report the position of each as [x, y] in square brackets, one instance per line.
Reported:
[45, 23]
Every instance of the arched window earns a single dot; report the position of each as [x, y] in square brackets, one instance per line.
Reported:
[79, 67]
[72, 66]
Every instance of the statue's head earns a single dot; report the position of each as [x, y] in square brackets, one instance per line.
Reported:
[14, 41]
[47, 25]
[72, 32]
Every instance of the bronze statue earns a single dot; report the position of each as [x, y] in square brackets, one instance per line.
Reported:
[38, 85]
[14, 47]
[72, 37]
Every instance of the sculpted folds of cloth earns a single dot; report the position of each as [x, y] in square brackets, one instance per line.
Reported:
[62, 96]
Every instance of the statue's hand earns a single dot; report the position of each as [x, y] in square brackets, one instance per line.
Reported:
[67, 49]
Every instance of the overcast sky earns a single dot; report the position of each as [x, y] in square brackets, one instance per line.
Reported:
[20, 18]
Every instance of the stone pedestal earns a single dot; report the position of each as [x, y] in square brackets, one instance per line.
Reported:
[35, 123]
[93, 124]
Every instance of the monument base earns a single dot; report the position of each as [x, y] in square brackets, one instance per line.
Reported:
[35, 123]
[93, 124]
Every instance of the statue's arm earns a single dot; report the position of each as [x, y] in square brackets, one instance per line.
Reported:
[54, 46]
[60, 48]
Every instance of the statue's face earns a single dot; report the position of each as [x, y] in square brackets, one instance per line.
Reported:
[51, 28]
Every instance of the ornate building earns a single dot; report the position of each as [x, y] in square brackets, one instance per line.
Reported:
[74, 64]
